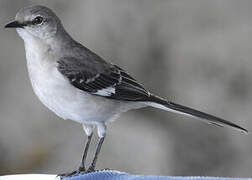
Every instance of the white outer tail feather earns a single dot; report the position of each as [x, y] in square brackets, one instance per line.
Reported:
[160, 106]
[163, 104]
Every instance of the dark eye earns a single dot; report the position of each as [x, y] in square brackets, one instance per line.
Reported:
[37, 20]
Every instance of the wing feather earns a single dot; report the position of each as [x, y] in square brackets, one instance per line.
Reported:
[102, 79]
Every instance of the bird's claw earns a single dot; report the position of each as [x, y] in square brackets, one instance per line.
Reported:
[81, 170]
[90, 169]
[63, 175]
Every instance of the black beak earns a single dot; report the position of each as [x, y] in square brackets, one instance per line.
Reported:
[14, 24]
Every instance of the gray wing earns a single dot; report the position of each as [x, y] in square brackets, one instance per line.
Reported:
[97, 77]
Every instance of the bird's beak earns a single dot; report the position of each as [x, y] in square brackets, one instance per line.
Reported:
[14, 24]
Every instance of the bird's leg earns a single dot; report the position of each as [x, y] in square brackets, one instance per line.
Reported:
[89, 131]
[82, 166]
[84, 157]
[101, 129]
[98, 148]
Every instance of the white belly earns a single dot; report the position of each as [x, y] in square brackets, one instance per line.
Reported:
[56, 92]
[68, 102]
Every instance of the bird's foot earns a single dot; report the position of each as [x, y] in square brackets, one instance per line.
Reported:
[105, 169]
[64, 175]
[81, 170]
[90, 169]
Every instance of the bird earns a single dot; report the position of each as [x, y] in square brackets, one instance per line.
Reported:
[77, 84]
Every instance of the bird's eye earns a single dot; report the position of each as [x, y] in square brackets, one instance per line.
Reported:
[37, 20]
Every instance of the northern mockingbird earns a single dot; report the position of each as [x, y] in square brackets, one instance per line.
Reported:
[77, 84]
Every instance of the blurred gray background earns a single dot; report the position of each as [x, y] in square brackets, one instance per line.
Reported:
[194, 52]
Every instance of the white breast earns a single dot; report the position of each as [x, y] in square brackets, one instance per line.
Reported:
[56, 93]
[46, 81]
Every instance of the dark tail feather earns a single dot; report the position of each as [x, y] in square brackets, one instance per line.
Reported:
[161, 103]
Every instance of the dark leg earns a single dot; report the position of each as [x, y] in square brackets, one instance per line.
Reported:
[82, 166]
[98, 148]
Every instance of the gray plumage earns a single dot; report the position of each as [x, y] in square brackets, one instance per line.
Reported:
[77, 84]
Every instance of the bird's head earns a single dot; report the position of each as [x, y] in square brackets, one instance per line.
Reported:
[35, 21]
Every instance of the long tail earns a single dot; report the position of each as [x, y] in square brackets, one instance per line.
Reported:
[161, 103]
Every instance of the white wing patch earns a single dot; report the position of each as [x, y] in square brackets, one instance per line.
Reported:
[106, 91]
[92, 79]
